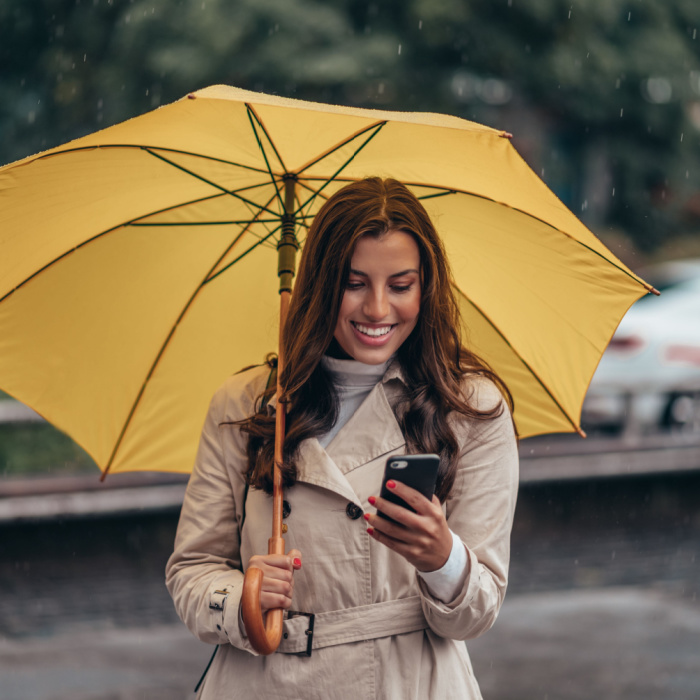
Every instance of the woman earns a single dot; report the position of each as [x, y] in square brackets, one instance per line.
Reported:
[374, 367]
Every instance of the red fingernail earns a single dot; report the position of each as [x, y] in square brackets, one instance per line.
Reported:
[372, 500]
[370, 530]
[391, 484]
[297, 561]
[366, 516]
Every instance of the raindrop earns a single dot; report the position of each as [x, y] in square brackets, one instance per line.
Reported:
[399, 49]
[617, 84]
[84, 57]
[31, 117]
[510, 3]
[622, 111]
[584, 206]
[687, 174]
[613, 554]
[613, 192]
[657, 90]
[695, 33]
[420, 24]
[629, 16]
[681, 137]
[569, 14]
[381, 88]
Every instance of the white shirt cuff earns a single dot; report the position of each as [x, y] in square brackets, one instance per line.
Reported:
[446, 583]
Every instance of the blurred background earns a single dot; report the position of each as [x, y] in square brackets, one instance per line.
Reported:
[603, 101]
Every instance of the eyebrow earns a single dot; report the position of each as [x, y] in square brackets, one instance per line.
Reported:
[396, 274]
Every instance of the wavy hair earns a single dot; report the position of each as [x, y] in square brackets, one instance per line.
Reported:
[433, 359]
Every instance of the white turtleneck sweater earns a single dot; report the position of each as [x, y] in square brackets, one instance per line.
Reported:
[354, 381]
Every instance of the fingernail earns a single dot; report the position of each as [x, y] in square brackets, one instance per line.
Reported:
[297, 562]
[370, 530]
[372, 500]
[366, 516]
[391, 484]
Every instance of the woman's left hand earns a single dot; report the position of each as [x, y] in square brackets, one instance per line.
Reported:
[422, 538]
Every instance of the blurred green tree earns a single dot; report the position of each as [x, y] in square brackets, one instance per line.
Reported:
[603, 97]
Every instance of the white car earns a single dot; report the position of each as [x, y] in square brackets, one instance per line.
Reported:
[649, 377]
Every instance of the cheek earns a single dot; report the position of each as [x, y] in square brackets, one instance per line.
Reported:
[343, 311]
[412, 308]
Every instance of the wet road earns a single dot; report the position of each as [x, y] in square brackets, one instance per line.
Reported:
[603, 601]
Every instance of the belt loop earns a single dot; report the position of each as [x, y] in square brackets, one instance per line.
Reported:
[309, 630]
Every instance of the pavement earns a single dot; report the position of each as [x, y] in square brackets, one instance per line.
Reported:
[608, 643]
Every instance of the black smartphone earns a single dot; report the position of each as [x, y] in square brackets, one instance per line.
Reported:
[417, 471]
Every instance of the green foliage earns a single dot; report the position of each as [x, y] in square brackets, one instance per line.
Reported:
[38, 448]
[620, 77]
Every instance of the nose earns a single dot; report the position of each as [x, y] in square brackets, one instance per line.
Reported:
[376, 306]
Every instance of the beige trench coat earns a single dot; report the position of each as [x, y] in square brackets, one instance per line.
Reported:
[378, 632]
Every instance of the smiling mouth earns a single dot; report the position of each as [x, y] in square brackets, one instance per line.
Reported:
[372, 332]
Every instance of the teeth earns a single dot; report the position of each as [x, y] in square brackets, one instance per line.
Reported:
[372, 332]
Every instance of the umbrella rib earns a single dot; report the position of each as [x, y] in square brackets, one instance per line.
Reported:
[338, 146]
[130, 222]
[141, 147]
[163, 347]
[251, 111]
[252, 114]
[377, 129]
[242, 255]
[632, 276]
[233, 193]
[549, 393]
[173, 224]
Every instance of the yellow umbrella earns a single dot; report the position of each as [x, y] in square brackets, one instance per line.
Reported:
[136, 264]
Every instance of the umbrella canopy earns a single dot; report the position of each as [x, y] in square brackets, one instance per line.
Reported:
[138, 264]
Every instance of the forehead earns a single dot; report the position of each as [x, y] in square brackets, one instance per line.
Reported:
[393, 248]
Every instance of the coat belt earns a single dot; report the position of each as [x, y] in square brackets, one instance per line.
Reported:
[353, 625]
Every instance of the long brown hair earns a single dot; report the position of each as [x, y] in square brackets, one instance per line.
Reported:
[433, 359]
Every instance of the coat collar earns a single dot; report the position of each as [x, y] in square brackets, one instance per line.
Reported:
[372, 431]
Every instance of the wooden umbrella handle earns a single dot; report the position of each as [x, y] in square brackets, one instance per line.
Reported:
[265, 636]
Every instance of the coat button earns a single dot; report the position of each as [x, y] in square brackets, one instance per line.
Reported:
[286, 509]
[353, 512]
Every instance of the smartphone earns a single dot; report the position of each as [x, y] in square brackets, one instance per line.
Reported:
[417, 471]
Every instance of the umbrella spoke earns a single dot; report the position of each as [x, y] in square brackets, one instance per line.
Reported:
[251, 116]
[224, 190]
[167, 340]
[142, 147]
[255, 245]
[376, 129]
[377, 126]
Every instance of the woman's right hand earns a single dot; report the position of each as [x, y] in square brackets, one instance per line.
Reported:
[278, 581]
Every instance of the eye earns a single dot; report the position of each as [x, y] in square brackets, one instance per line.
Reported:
[353, 284]
[401, 288]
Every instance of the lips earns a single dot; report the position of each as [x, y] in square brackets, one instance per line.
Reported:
[373, 335]
[372, 331]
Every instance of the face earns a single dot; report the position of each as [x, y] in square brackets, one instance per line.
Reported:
[382, 299]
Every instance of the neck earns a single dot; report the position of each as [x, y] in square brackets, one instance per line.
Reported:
[334, 350]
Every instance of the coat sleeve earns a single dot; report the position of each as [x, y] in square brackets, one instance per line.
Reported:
[480, 511]
[204, 574]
